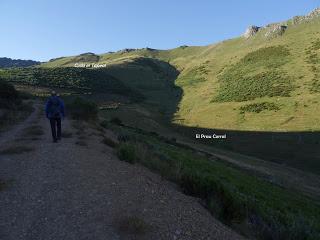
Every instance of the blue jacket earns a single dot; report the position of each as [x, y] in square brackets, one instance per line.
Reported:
[49, 107]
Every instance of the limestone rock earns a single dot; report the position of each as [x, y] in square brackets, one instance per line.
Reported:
[251, 31]
[275, 31]
[300, 19]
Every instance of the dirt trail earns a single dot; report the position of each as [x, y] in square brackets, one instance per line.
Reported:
[82, 191]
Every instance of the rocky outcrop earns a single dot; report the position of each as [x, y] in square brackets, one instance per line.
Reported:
[278, 29]
[127, 50]
[251, 31]
[300, 19]
[275, 31]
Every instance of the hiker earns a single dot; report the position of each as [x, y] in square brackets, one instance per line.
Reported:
[54, 112]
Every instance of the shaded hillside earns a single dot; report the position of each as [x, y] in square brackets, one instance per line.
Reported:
[10, 63]
[83, 80]
[138, 78]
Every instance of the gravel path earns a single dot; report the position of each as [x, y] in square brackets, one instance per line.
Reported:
[73, 191]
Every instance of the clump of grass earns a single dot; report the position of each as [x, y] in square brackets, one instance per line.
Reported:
[131, 225]
[3, 185]
[16, 150]
[66, 134]
[104, 124]
[109, 142]
[256, 75]
[116, 121]
[259, 107]
[81, 143]
[33, 131]
[27, 139]
[82, 137]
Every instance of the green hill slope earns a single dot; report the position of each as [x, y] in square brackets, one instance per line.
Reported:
[11, 63]
[268, 81]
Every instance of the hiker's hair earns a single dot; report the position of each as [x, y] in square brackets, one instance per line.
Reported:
[53, 93]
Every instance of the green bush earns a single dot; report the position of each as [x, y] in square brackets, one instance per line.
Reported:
[9, 96]
[127, 152]
[7, 90]
[82, 109]
[116, 121]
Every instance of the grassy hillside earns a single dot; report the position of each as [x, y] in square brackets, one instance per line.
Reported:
[220, 81]
[254, 207]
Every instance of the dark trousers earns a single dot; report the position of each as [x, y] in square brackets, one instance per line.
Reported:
[55, 128]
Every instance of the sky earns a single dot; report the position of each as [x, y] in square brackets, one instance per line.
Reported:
[41, 30]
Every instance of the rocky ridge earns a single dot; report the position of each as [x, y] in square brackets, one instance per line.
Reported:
[278, 29]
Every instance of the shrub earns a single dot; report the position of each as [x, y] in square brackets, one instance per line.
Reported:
[104, 124]
[7, 91]
[81, 143]
[83, 109]
[9, 96]
[256, 76]
[127, 152]
[26, 95]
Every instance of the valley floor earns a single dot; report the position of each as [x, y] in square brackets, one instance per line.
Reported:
[78, 189]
